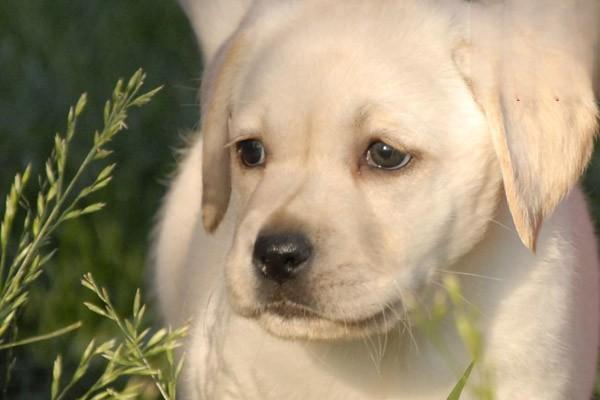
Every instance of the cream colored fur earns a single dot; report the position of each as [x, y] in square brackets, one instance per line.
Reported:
[493, 98]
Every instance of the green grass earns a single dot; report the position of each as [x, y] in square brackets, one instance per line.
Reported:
[50, 52]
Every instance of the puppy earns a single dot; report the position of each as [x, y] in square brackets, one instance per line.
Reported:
[354, 153]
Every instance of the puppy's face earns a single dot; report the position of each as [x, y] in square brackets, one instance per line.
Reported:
[359, 161]
[357, 170]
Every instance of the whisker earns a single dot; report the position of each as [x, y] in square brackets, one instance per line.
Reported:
[462, 297]
[385, 334]
[500, 224]
[406, 322]
[409, 329]
[371, 349]
[470, 274]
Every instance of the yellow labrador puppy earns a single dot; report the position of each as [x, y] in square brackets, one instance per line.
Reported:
[355, 152]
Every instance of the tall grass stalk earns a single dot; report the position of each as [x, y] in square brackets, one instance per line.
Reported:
[61, 198]
[57, 200]
[130, 355]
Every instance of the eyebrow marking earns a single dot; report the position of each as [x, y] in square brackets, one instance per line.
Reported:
[362, 116]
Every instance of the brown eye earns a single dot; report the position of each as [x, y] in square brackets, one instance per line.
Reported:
[383, 156]
[251, 152]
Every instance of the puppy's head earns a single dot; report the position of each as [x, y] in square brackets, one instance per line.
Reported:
[362, 150]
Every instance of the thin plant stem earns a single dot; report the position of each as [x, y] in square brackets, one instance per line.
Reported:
[41, 338]
[133, 343]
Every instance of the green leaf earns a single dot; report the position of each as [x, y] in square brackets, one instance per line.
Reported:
[97, 139]
[157, 337]
[89, 351]
[93, 208]
[101, 154]
[81, 103]
[87, 210]
[146, 97]
[136, 303]
[101, 396]
[143, 334]
[72, 215]
[36, 226]
[50, 173]
[71, 116]
[6, 322]
[140, 370]
[52, 192]
[59, 148]
[88, 281]
[56, 373]
[107, 171]
[458, 389]
[19, 301]
[135, 80]
[119, 89]
[140, 315]
[97, 310]
[26, 175]
[106, 346]
[41, 204]
[107, 107]
[130, 328]
[179, 367]
[47, 257]
[469, 334]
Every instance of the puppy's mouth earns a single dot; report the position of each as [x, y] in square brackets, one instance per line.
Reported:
[291, 320]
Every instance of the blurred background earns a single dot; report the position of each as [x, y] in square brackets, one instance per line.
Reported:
[50, 52]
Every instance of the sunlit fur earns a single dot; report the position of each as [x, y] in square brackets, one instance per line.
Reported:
[317, 81]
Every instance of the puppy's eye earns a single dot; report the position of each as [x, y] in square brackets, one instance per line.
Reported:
[251, 152]
[384, 156]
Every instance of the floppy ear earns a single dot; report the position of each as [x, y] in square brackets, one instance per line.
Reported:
[532, 76]
[217, 88]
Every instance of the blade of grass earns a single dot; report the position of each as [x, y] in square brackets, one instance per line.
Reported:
[42, 338]
[460, 385]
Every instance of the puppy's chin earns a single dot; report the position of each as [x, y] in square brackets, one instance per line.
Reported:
[291, 321]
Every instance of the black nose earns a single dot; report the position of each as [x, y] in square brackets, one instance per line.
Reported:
[280, 257]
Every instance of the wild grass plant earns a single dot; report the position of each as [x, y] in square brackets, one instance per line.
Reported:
[25, 237]
[465, 318]
[126, 356]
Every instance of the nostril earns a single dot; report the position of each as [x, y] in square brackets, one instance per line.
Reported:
[280, 257]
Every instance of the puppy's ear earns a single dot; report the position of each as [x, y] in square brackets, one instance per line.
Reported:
[214, 21]
[532, 77]
[217, 88]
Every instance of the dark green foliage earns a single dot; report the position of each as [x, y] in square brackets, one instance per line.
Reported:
[592, 187]
[50, 52]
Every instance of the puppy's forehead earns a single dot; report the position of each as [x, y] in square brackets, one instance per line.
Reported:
[338, 58]
[323, 70]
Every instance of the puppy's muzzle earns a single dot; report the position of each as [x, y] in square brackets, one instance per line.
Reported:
[281, 257]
